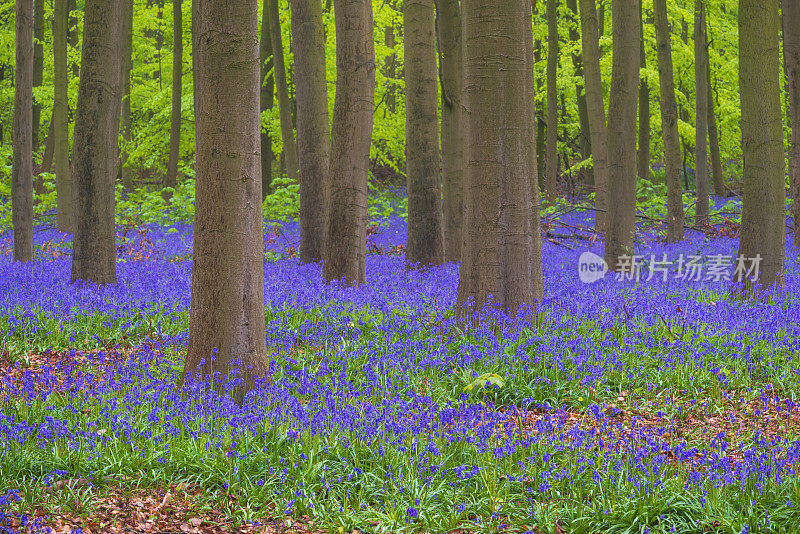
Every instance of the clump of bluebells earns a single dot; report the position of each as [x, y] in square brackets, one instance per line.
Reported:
[376, 412]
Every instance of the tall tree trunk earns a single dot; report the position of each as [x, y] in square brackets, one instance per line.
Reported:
[551, 155]
[47, 156]
[22, 157]
[125, 173]
[266, 99]
[351, 137]
[226, 324]
[97, 118]
[38, 65]
[622, 131]
[501, 257]
[701, 113]
[425, 244]
[669, 124]
[585, 141]
[713, 141]
[791, 51]
[643, 155]
[313, 132]
[451, 63]
[596, 108]
[171, 179]
[73, 36]
[60, 117]
[764, 194]
[284, 106]
[390, 65]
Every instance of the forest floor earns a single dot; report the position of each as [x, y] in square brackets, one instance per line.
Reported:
[661, 404]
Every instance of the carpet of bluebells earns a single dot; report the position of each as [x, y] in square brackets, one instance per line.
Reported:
[661, 405]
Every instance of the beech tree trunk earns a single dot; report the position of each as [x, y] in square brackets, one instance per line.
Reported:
[669, 124]
[97, 117]
[501, 255]
[425, 243]
[585, 141]
[622, 131]
[643, 155]
[284, 106]
[125, 173]
[595, 105]
[451, 62]
[713, 141]
[266, 100]
[351, 137]
[764, 194]
[313, 132]
[791, 51]
[551, 148]
[171, 179]
[226, 324]
[701, 113]
[60, 119]
[22, 157]
[38, 66]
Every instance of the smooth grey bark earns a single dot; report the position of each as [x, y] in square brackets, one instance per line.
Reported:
[351, 137]
[313, 132]
[171, 178]
[621, 130]
[22, 152]
[97, 118]
[425, 243]
[451, 62]
[669, 123]
[764, 193]
[501, 254]
[226, 324]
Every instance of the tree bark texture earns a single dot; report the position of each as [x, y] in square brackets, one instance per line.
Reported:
[764, 193]
[551, 148]
[791, 51]
[22, 156]
[266, 99]
[622, 105]
[226, 325]
[713, 140]
[452, 80]
[171, 179]
[97, 118]
[313, 131]
[643, 154]
[351, 137]
[284, 106]
[501, 254]
[38, 66]
[60, 117]
[701, 113]
[425, 243]
[669, 124]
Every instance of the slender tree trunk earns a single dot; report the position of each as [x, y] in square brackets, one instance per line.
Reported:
[226, 324]
[501, 231]
[596, 108]
[73, 36]
[60, 119]
[266, 100]
[95, 141]
[390, 66]
[701, 113]
[643, 155]
[791, 51]
[669, 124]
[171, 179]
[764, 194]
[351, 137]
[713, 141]
[125, 173]
[313, 132]
[22, 157]
[585, 141]
[425, 244]
[284, 106]
[451, 63]
[551, 155]
[622, 131]
[47, 156]
[38, 65]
